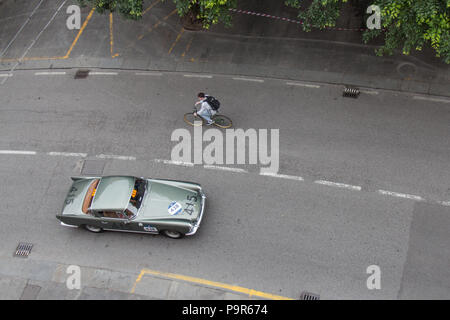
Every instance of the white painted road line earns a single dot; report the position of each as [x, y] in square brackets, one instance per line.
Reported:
[103, 73]
[369, 92]
[177, 163]
[338, 185]
[281, 176]
[148, 74]
[197, 76]
[302, 85]
[115, 157]
[238, 170]
[401, 195]
[67, 154]
[249, 79]
[445, 203]
[21, 28]
[56, 73]
[17, 152]
[35, 39]
[431, 99]
[4, 75]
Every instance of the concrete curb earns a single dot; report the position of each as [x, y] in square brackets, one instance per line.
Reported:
[163, 65]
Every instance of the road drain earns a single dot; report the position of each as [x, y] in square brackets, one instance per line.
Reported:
[351, 92]
[309, 296]
[23, 249]
[81, 74]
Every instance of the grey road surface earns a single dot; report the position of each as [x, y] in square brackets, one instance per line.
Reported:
[271, 234]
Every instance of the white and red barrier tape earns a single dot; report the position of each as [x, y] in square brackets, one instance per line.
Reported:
[252, 13]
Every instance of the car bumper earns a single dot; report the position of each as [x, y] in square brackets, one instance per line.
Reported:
[197, 224]
[68, 225]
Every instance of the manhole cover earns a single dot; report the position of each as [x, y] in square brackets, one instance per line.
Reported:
[23, 249]
[93, 167]
[81, 74]
[309, 296]
[406, 69]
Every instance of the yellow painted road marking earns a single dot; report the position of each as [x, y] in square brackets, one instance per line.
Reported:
[157, 24]
[111, 36]
[138, 280]
[187, 47]
[79, 33]
[176, 40]
[249, 292]
[151, 6]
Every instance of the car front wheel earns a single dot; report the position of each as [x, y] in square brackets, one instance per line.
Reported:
[93, 229]
[172, 234]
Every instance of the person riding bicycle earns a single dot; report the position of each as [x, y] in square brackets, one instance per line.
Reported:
[206, 112]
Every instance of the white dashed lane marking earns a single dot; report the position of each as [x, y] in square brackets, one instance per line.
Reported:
[237, 170]
[17, 152]
[338, 185]
[197, 76]
[369, 92]
[229, 169]
[148, 74]
[281, 176]
[249, 79]
[431, 99]
[67, 154]
[401, 195]
[299, 84]
[177, 163]
[103, 73]
[55, 73]
[5, 75]
[113, 156]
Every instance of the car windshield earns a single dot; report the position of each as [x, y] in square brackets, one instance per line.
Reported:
[140, 185]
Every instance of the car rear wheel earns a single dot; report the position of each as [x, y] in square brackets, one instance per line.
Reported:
[93, 229]
[172, 234]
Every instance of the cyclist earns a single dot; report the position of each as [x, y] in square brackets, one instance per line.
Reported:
[206, 112]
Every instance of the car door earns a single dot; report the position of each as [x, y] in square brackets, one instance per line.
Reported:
[112, 220]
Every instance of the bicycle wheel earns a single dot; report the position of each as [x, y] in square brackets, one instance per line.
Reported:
[189, 118]
[222, 121]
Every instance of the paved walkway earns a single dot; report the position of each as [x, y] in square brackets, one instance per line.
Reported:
[255, 46]
[28, 279]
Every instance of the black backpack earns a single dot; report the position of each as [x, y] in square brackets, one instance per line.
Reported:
[213, 102]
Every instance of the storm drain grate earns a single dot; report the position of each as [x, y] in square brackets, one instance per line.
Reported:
[351, 92]
[23, 249]
[81, 74]
[309, 296]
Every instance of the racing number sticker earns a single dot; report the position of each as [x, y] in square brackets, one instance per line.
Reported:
[150, 228]
[174, 208]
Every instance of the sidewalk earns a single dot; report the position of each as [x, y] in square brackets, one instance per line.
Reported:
[255, 46]
[26, 279]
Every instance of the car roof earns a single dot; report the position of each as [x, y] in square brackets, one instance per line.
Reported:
[113, 193]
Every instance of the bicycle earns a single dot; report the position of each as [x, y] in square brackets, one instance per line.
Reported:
[220, 120]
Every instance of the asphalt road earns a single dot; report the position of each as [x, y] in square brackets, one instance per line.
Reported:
[267, 233]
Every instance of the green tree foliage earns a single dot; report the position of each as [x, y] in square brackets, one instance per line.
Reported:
[319, 14]
[209, 12]
[406, 24]
[131, 9]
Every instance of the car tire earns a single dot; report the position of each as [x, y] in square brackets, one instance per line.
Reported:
[172, 234]
[93, 228]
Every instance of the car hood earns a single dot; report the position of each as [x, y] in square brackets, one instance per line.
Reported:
[170, 202]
